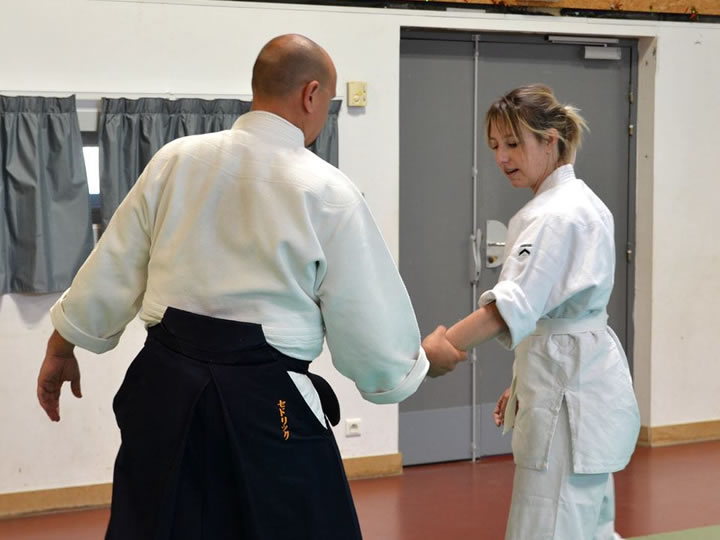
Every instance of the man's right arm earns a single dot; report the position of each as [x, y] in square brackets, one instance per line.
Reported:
[108, 289]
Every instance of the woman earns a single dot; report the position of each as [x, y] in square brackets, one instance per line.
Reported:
[571, 402]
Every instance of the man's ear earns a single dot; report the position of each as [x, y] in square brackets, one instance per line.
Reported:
[310, 95]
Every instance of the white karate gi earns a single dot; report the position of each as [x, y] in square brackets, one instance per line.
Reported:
[248, 225]
[552, 293]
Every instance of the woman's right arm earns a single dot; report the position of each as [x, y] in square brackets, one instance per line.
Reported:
[481, 325]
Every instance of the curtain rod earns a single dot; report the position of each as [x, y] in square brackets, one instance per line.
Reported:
[88, 103]
[96, 96]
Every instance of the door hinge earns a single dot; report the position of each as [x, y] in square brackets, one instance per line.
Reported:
[631, 130]
[629, 253]
[632, 97]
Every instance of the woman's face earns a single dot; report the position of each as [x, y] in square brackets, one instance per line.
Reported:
[526, 165]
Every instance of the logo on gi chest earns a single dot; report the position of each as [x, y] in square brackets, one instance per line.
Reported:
[524, 250]
[283, 420]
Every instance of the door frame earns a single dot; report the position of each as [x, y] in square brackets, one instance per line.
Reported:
[632, 47]
[632, 44]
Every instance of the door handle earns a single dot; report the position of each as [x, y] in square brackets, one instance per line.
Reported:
[495, 243]
[475, 261]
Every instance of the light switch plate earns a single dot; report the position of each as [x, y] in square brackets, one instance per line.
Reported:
[357, 93]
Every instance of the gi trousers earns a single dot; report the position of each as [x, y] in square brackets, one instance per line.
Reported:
[557, 504]
[218, 443]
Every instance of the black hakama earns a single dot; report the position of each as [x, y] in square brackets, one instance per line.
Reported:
[218, 443]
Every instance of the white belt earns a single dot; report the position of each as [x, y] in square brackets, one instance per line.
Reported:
[546, 327]
[594, 323]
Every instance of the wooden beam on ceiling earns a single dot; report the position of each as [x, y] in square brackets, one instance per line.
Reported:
[692, 8]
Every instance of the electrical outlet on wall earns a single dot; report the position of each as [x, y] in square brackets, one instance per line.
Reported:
[353, 427]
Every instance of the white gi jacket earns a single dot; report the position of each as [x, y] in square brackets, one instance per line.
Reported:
[248, 225]
[552, 293]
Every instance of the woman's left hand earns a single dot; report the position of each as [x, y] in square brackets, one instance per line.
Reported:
[499, 412]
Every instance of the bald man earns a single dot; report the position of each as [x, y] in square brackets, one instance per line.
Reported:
[241, 251]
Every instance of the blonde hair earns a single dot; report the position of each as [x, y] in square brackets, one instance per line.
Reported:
[536, 108]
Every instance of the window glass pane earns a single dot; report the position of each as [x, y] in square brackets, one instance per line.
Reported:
[92, 165]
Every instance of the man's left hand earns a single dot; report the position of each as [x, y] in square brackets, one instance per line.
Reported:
[441, 354]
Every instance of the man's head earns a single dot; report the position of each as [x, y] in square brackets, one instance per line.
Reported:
[295, 78]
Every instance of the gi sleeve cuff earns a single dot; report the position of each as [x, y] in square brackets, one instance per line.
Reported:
[515, 309]
[407, 386]
[75, 335]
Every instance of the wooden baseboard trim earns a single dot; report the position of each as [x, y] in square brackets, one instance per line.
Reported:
[99, 495]
[679, 434]
[51, 500]
[373, 466]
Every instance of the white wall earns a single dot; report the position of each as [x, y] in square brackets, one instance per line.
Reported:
[34, 452]
[686, 263]
[206, 47]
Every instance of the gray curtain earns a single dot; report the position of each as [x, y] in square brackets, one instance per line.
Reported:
[326, 145]
[45, 227]
[131, 131]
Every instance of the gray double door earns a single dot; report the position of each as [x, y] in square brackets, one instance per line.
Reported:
[452, 220]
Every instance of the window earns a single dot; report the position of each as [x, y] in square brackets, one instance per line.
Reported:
[92, 165]
[91, 153]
